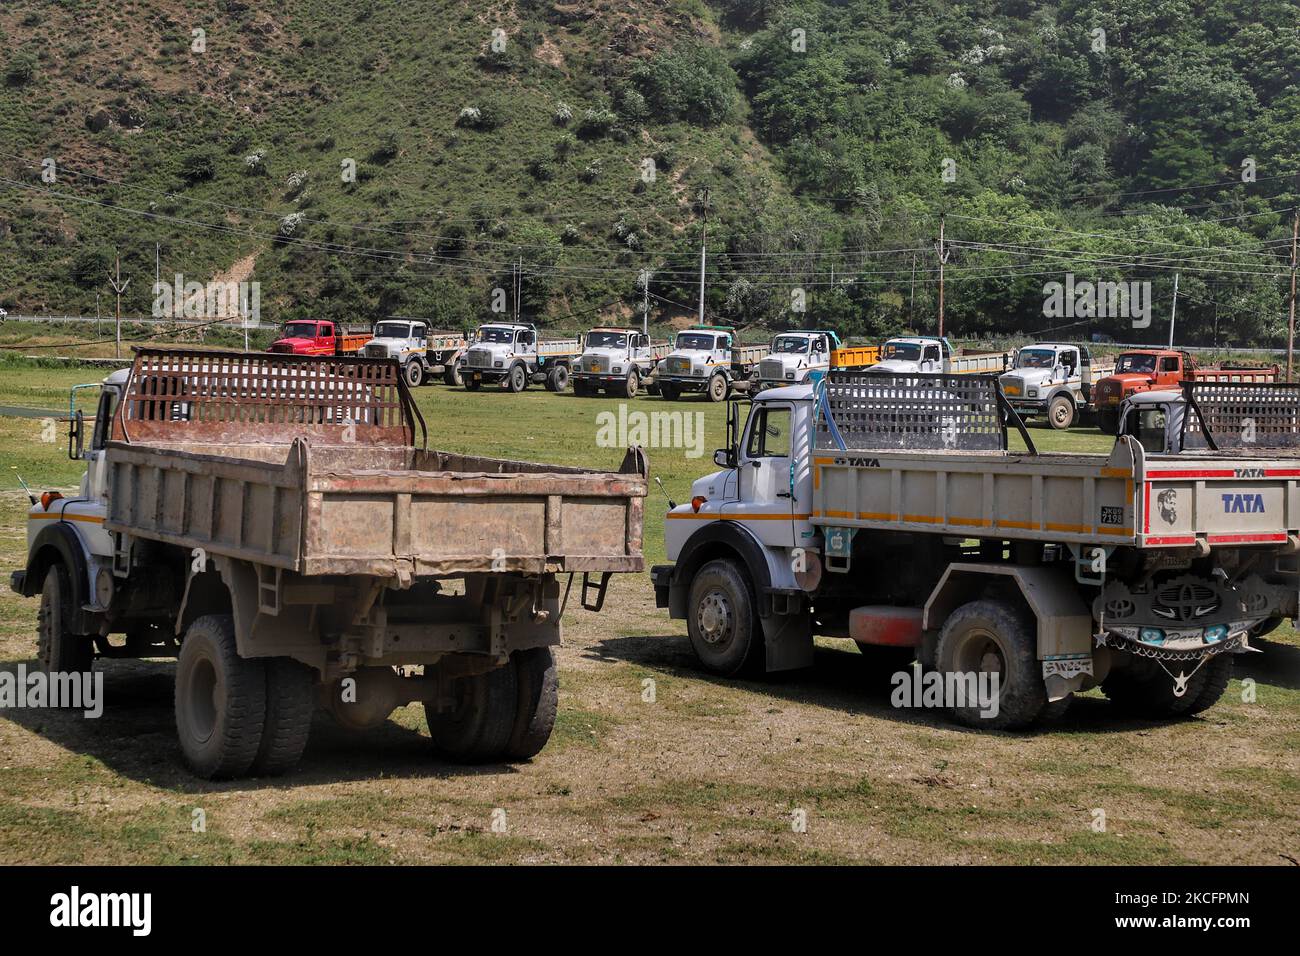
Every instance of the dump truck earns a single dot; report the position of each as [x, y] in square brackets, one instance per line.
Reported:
[277, 524]
[424, 355]
[318, 337]
[930, 355]
[616, 361]
[890, 510]
[1144, 370]
[708, 359]
[1054, 380]
[510, 354]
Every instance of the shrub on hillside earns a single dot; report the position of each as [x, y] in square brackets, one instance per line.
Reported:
[693, 83]
[21, 69]
[199, 165]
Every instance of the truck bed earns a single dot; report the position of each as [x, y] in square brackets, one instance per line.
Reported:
[383, 511]
[311, 465]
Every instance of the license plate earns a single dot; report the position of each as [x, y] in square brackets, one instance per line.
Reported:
[1112, 400]
[478, 376]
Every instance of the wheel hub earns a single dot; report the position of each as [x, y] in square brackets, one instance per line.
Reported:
[714, 618]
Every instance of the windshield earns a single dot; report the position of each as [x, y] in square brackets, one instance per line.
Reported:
[606, 340]
[790, 344]
[904, 351]
[300, 330]
[1036, 358]
[695, 341]
[494, 333]
[392, 330]
[1136, 363]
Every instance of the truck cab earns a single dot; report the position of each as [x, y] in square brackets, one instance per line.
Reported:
[921, 355]
[403, 340]
[317, 337]
[510, 354]
[614, 360]
[1051, 380]
[796, 357]
[701, 361]
[1139, 370]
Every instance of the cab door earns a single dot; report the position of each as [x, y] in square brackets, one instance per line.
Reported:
[766, 501]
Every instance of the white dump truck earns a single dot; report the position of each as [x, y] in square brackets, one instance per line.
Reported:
[889, 510]
[930, 355]
[798, 356]
[616, 361]
[708, 359]
[275, 523]
[1056, 381]
[512, 355]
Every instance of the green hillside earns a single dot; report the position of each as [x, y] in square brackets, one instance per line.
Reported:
[819, 142]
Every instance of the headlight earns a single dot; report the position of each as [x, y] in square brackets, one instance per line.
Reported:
[1215, 633]
[1033, 393]
[1153, 635]
[498, 364]
[789, 375]
[698, 372]
[617, 369]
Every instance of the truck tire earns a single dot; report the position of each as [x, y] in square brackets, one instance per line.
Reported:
[721, 619]
[1060, 412]
[481, 721]
[516, 379]
[1145, 690]
[670, 392]
[57, 648]
[1108, 421]
[539, 698]
[633, 384]
[451, 376]
[414, 372]
[220, 700]
[290, 701]
[557, 379]
[718, 389]
[992, 636]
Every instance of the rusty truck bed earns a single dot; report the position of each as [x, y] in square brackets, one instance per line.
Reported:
[292, 464]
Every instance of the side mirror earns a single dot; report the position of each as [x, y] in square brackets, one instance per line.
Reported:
[76, 433]
[724, 458]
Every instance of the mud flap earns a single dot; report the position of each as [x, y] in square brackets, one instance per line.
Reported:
[788, 640]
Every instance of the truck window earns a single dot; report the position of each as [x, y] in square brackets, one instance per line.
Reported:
[605, 340]
[790, 345]
[901, 351]
[104, 417]
[326, 330]
[1147, 425]
[1035, 358]
[769, 434]
[694, 342]
[527, 338]
[300, 330]
[931, 353]
[394, 330]
[1169, 364]
[1136, 363]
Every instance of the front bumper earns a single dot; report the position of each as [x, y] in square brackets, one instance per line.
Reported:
[483, 374]
[1028, 406]
[685, 383]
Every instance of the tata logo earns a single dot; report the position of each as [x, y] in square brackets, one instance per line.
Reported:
[1243, 504]
[1249, 473]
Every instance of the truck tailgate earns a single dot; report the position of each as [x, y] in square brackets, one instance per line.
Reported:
[1219, 501]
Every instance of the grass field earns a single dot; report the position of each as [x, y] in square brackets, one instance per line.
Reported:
[711, 770]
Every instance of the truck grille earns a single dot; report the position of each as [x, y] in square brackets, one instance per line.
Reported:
[377, 351]
[771, 370]
[1013, 387]
[596, 363]
[478, 358]
[679, 366]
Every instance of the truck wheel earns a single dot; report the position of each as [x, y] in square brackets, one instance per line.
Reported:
[1060, 412]
[633, 385]
[220, 700]
[718, 388]
[723, 627]
[670, 392]
[414, 373]
[290, 701]
[481, 721]
[989, 637]
[1145, 690]
[557, 379]
[451, 376]
[1108, 421]
[517, 379]
[539, 698]
[57, 648]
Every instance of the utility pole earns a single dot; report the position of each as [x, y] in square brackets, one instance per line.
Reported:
[911, 301]
[1173, 312]
[119, 287]
[1290, 325]
[943, 261]
[703, 254]
[98, 331]
[645, 301]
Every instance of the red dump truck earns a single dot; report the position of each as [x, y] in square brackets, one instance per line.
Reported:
[1144, 370]
[319, 337]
